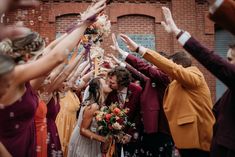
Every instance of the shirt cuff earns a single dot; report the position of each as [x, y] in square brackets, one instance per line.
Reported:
[142, 51]
[124, 54]
[184, 38]
[215, 6]
[122, 64]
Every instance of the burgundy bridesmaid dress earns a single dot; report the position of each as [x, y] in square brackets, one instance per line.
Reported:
[17, 129]
[54, 145]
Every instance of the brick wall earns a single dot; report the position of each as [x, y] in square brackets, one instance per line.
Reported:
[64, 21]
[132, 17]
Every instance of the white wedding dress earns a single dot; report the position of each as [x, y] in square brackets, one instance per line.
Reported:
[80, 146]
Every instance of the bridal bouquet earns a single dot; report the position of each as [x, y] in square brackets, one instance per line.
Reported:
[112, 121]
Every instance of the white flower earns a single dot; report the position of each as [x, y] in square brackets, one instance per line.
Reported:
[104, 25]
[117, 126]
[96, 51]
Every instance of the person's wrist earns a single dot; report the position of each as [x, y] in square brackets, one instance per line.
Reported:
[180, 34]
[137, 49]
[177, 31]
[142, 50]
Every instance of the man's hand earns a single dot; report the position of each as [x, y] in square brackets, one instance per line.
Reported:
[169, 24]
[131, 45]
[126, 139]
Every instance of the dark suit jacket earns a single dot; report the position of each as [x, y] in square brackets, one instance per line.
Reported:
[133, 103]
[224, 109]
[151, 100]
[224, 15]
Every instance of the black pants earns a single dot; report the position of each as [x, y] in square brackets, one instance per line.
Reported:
[221, 151]
[194, 153]
[156, 145]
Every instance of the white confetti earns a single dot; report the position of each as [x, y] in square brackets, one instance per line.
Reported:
[2, 106]
[38, 149]
[17, 126]
[12, 114]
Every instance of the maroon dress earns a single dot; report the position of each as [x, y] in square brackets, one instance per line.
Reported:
[54, 146]
[17, 129]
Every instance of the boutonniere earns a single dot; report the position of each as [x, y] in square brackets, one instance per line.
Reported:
[128, 95]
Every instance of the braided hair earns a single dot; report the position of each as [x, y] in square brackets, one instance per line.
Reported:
[30, 44]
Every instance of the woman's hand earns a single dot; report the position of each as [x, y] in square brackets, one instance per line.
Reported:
[116, 47]
[92, 11]
[169, 24]
[116, 61]
[106, 144]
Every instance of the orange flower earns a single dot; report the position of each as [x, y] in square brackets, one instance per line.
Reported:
[84, 39]
[116, 111]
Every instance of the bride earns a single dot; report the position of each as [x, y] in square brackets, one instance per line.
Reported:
[85, 141]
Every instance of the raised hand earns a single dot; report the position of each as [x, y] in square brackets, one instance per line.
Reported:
[115, 45]
[13, 32]
[92, 11]
[131, 45]
[169, 24]
[23, 4]
[116, 61]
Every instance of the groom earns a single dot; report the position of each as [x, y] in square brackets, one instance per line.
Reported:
[127, 94]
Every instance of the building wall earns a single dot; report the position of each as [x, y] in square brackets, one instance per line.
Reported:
[131, 17]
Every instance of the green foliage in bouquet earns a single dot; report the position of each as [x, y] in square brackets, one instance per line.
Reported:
[112, 120]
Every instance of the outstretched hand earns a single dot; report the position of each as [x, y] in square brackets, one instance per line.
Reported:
[169, 24]
[13, 32]
[23, 4]
[93, 10]
[115, 45]
[116, 61]
[131, 45]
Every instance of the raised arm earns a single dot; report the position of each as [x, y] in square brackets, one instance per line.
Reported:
[222, 12]
[65, 73]
[140, 65]
[54, 43]
[213, 62]
[136, 74]
[60, 52]
[78, 72]
[189, 77]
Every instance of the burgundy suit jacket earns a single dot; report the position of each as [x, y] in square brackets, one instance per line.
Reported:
[224, 109]
[224, 15]
[151, 100]
[133, 104]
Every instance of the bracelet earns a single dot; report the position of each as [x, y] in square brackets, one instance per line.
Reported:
[179, 34]
[137, 49]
